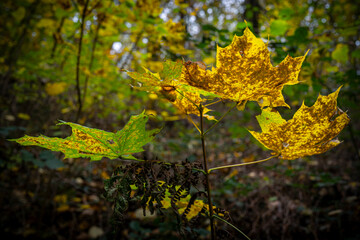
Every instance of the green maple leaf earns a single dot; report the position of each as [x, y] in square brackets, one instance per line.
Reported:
[94, 143]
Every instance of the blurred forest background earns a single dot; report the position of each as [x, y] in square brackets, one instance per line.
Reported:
[64, 59]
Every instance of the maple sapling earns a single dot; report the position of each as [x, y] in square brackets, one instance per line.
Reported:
[243, 73]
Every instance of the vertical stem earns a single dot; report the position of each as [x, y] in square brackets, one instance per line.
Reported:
[78, 60]
[56, 36]
[202, 135]
[91, 58]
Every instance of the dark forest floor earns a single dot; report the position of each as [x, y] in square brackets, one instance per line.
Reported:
[311, 198]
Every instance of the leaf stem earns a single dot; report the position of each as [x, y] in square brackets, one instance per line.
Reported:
[242, 164]
[221, 219]
[206, 105]
[192, 121]
[220, 118]
[211, 210]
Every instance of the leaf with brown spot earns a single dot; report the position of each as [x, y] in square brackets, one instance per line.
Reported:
[95, 144]
[311, 131]
[244, 73]
[168, 83]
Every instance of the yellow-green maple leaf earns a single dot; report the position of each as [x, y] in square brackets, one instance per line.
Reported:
[244, 73]
[168, 84]
[311, 131]
[94, 143]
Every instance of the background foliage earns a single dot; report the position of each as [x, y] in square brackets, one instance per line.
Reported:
[64, 59]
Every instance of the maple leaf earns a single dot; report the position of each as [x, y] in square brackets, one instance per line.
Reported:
[244, 73]
[311, 130]
[94, 143]
[168, 83]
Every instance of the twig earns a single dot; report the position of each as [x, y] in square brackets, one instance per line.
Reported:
[94, 45]
[78, 90]
[58, 32]
[221, 219]
[221, 118]
[242, 164]
[206, 105]
[190, 119]
[91, 58]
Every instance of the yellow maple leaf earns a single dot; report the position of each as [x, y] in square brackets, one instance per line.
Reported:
[311, 130]
[244, 73]
[168, 83]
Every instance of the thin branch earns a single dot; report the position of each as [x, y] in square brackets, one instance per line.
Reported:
[91, 58]
[221, 219]
[206, 105]
[78, 90]
[55, 36]
[100, 21]
[242, 164]
[190, 119]
[221, 118]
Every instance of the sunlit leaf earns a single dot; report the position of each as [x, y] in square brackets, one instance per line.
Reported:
[94, 143]
[244, 73]
[311, 131]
